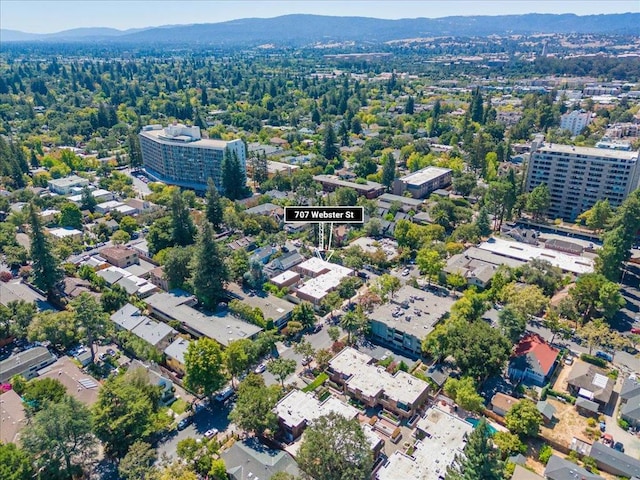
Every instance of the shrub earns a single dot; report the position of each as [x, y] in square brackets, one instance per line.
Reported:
[569, 398]
[545, 454]
[592, 422]
[337, 346]
[590, 464]
[593, 360]
[623, 424]
[5, 276]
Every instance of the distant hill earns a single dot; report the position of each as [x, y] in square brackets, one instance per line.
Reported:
[309, 29]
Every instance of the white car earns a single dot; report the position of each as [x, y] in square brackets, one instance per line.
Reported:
[212, 432]
[260, 368]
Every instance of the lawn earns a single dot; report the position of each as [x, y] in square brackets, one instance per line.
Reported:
[320, 379]
[179, 406]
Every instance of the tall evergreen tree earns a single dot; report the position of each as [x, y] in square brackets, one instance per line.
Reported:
[135, 153]
[234, 178]
[476, 108]
[209, 272]
[389, 170]
[330, 150]
[183, 229]
[46, 270]
[479, 460]
[214, 207]
[483, 223]
[409, 106]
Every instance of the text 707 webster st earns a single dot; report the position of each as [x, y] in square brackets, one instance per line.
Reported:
[324, 214]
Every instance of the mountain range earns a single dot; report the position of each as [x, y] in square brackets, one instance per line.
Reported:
[299, 30]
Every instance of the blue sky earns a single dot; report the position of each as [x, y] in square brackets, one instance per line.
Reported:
[53, 16]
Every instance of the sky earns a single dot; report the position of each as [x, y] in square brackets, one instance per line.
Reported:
[47, 16]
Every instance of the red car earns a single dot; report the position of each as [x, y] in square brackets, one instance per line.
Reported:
[635, 331]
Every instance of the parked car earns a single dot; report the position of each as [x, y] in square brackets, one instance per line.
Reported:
[635, 331]
[618, 446]
[260, 368]
[405, 272]
[604, 355]
[306, 361]
[185, 422]
[211, 433]
[111, 352]
[607, 439]
[603, 426]
[225, 394]
[317, 328]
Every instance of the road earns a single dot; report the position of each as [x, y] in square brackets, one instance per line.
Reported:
[138, 185]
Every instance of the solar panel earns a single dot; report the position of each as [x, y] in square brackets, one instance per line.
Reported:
[87, 383]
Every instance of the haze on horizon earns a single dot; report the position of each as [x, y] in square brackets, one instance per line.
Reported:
[54, 16]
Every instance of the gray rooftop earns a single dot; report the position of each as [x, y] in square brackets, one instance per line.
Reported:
[16, 290]
[128, 317]
[21, 362]
[271, 306]
[620, 462]
[263, 209]
[589, 151]
[389, 198]
[369, 186]
[251, 460]
[630, 388]
[153, 332]
[631, 409]
[425, 310]
[546, 409]
[177, 349]
[222, 327]
[560, 469]
[521, 473]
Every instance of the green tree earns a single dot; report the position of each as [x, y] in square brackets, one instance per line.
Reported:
[595, 333]
[253, 410]
[523, 419]
[47, 273]
[388, 169]
[345, 196]
[91, 319]
[15, 463]
[59, 328]
[238, 356]
[281, 368]
[303, 313]
[59, 436]
[88, 201]
[238, 264]
[305, 349]
[388, 285]
[233, 176]
[113, 298]
[39, 391]
[465, 393]
[479, 460]
[512, 323]
[183, 230]
[538, 201]
[509, 444]
[137, 464]
[483, 223]
[470, 306]
[16, 317]
[598, 216]
[159, 236]
[120, 237]
[70, 216]
[334, 333]
[593, 293]
[208, 271]
[335, 448]
[177, 266]
[128, 224]
[214, 206]
[330, 149]
[543, 274]
[204, 363]
[525, 301]
[476, 108]
[126, 411]
[430, 263]
[456, 281]
[353, 322]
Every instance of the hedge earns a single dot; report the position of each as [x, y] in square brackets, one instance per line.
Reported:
[598, 362]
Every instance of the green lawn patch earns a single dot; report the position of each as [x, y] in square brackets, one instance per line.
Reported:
[179, 406]
[320, 379]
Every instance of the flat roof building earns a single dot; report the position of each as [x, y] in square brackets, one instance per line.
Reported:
[178, 155]
[478, 266]
[26, 363]
[410, 316]
[272, 307]
[331, 182]
[525, 252]
[325, 277]
[401, 393]
[421, 183]
[441, 436]
[577, 177]
[63, 186]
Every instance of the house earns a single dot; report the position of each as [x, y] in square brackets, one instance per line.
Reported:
[174, 354]
[630, 401]
[141, 206]
[408, 318]
[560, 469]
[612, 461]
[267, 210]
[285, 279]
[74, 287]
[533, 360]
[12, 417]
[325, 277]
[155, 378]
[106, 207]
[478, 266]
[501, 403]
[120, 256]
[262, 254]
[401, 394]
[48, 215]
[439, 372]
[440, 438]
[521, 473]
[77, 383]
[590, 382]
[274, 309]
[129, 318]
[547, 410]
[587, 407]
[283, 263]
[15, 290]
[249, 459]
[26, 363]
[66, 232]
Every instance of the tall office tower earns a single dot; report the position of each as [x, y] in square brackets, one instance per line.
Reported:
[577, 177]
[178, 155]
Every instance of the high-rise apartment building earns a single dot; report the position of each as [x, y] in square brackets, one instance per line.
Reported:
[178, 155]
[577, 177]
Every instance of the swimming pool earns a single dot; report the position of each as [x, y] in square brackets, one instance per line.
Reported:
[475, 422]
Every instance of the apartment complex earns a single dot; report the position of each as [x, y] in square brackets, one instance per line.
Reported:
[421, 183]
[178, 155]
[575, 121]
[577, 177]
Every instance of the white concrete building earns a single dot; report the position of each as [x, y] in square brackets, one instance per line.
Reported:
[575, 121]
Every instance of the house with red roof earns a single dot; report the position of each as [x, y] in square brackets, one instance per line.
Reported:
[533, 360]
